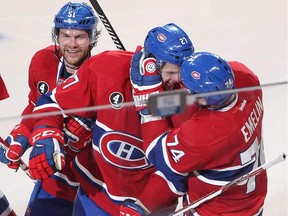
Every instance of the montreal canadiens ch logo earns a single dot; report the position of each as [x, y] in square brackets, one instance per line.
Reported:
[195, 75]
[161, 37]
[123, 150]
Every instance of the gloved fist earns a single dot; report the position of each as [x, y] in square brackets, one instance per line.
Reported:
[129, 208]
[78, 133]
[144, 78]
[47, 155]
[17, 143]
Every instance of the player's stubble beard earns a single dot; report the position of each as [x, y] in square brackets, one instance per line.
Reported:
[75, 62]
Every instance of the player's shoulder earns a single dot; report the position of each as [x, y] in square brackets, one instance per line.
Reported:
[109, 61]
[238, 67]
[243, 74]
[44, 60]
[118, 53]
[112, 55]
[46, 53]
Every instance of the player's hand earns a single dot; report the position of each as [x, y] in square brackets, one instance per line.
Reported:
[17, 143]
[47, 155]
[78, 133]
[129, 208]
[144, 78]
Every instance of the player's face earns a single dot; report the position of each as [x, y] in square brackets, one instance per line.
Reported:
[74, 46]
[170, 75]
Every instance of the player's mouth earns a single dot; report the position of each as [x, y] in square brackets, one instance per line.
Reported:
[169, 86]
[72, 52]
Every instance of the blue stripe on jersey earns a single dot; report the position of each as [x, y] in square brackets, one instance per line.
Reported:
[229, 175]
[58, 176]
[83, 205]
[156, 157]
[45, 99]
[98, 133]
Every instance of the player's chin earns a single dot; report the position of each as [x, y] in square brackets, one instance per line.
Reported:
[73, 55]
[169, 86]
[73, 59]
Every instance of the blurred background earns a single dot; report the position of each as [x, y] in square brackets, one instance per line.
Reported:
[250, 31]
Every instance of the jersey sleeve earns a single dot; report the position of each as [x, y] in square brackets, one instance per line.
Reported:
[155, 135]
[32, 98]
[73, 93]
[41, 68]
[3, 90]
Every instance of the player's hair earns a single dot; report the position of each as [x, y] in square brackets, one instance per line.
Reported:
[77, 16]
[206, 72]
[168, 43]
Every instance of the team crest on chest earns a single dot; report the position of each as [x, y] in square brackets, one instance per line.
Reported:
[116, 100]
[123, 150]
[42, 87]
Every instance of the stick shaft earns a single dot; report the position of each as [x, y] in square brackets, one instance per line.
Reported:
[107, 25]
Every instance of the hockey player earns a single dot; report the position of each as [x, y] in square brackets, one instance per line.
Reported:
[74, 35]
[5, 207]
[116, 168]
[220, 142]
[3, 91]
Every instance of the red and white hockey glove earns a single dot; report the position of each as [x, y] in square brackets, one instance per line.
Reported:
[47, 155]
[78, 134]
[17, 143]
[129, 208]
[145, 80]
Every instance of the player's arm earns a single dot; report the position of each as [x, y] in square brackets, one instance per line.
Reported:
[166, 181]
[47, 155]
[47, 139]
[158, 184]
[150, 202]
[17, 140]
[145, 83]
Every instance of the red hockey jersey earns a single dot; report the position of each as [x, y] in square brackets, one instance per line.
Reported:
[44, 76]
[116, 169]
[3, 91]
[214, 148]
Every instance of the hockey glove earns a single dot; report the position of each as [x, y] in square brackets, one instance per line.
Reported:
[78, 134]
[129, 208]
[17, 143]
[47, 155]
[145, 80]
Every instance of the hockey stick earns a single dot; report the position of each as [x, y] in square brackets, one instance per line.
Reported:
[224, 188]
[107, 25]
[22, 165]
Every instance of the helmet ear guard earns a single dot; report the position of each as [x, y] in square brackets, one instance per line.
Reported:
[205, 72]
[168, 43]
